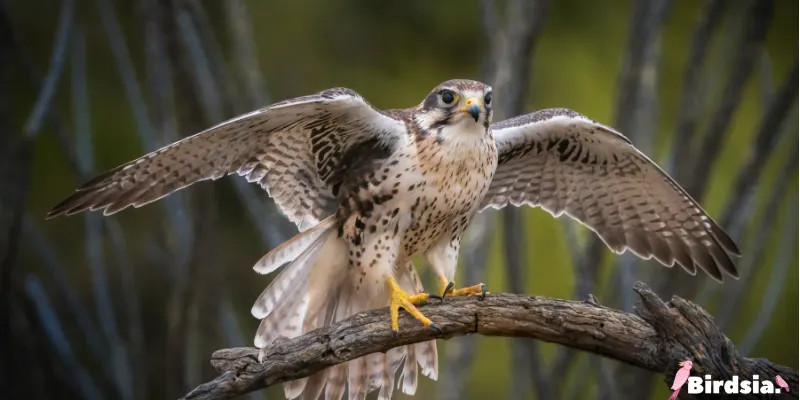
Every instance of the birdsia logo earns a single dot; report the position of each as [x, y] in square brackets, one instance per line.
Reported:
[735, 385]
[706, 385]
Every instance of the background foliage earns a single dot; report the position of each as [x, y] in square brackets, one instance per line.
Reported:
[131, 306]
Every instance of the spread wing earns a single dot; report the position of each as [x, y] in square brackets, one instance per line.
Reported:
[297, 150]
[567, 163]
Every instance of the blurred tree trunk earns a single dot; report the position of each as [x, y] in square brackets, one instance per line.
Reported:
[27, 366]
[14, 163]
[694, 174]
[197, 287]
[698, 153]
[509, 65]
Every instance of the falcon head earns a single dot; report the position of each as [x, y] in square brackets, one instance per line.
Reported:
[456, 107]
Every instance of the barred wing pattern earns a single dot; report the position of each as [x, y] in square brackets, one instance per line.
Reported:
[294, 149]
[566, 163]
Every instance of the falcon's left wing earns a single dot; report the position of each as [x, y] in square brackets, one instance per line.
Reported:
[299, 150]
[567, 163]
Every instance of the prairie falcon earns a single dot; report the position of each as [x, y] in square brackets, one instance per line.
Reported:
[370, 189]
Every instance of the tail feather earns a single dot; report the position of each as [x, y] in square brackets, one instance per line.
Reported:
[314, 386]
[293, 278]
[337, 382]
[409, 377]
[293, 389]
[357, 379]
[376, 363]
[428, 359]
[291, 249]
[286, 321]
[392, 360]
[338, 309]
[426, 352]
[282, 305]
[387, 390]
[312, 292]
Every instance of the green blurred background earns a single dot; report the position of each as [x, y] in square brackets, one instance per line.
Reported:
[393, 53]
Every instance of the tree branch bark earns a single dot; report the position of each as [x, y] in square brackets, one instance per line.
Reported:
[656, 338]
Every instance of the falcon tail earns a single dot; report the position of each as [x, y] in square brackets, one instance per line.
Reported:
[315, 290]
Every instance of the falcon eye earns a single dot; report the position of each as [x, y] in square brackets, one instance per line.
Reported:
[447, 97]
[487, 99]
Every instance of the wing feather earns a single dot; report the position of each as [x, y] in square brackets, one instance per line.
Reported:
[293, 149]
[564, 162]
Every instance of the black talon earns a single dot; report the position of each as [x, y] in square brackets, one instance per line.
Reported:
[435, 296]
[396, 332]
[483, 291]
[448, 288]
[434, 326]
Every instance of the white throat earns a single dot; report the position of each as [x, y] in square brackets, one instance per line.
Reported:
[465, 131]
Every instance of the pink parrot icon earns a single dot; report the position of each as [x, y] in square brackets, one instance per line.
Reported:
[782, 383]
[680, 378]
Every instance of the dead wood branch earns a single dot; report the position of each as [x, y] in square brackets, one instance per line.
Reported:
[656, 337]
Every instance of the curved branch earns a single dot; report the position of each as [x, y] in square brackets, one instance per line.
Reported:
[656, 337]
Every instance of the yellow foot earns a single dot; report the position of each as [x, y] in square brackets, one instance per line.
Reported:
[401, 299]
[448, 289]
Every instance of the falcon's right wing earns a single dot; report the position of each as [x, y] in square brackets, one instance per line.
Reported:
[297, 150]
[564, 162]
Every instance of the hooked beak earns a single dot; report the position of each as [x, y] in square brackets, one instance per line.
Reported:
[473, 108]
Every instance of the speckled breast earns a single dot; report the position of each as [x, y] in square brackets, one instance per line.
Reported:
[455, 181]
